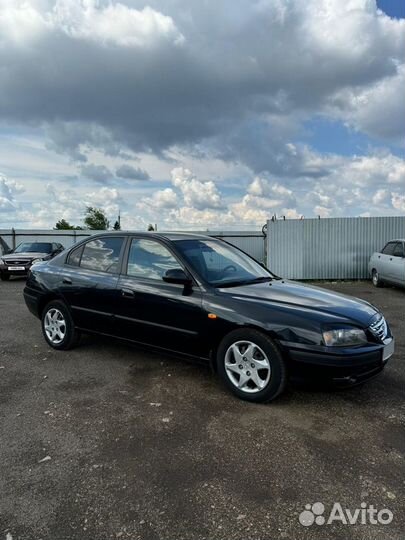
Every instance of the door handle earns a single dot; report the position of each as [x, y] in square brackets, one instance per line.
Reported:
[67, 281]
[129, 293]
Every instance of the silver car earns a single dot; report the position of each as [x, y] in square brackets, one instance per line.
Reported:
[388, 265]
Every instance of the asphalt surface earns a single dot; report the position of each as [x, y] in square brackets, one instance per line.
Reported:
[143, 446]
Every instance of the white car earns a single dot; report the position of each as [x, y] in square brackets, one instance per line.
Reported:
[388, 265]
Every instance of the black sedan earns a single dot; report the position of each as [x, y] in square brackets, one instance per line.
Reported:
[203, 298]
[18, 261]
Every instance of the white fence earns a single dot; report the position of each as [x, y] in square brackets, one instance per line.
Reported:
[333, 248]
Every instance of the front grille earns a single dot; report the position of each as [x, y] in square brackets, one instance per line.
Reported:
[379, 328]
[16, 262]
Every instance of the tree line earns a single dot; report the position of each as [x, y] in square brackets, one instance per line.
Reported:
[95, 219]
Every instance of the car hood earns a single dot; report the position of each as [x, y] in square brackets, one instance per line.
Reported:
[24, 256]
[308, 296]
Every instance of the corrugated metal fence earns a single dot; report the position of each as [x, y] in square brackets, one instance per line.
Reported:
[250, 241]
[332, 248]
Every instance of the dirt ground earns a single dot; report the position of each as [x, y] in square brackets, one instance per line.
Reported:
[107, 441]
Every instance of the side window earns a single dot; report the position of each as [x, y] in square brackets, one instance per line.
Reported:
[149, 259]
[389, 248]
[102, 254]
[399, 250]
[75, 256]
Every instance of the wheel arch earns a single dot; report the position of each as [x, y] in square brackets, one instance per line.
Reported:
[221, 335]
[45, 299]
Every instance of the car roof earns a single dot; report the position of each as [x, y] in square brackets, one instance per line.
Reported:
[163, 235]
[396, 240]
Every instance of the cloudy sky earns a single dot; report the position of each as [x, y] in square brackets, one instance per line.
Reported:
[201, 114]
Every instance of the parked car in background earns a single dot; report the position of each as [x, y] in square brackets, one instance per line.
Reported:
[204, 298]
[388, 265]
[17, 262]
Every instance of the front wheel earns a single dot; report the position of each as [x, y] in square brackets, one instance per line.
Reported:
[58, 327]
[376, 279]
[251, 366]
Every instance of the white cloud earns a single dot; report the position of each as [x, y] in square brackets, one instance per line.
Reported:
[161, 199]
[196, 193]
[22, 21]
[398, 201]
[9, 189]
[113, 24]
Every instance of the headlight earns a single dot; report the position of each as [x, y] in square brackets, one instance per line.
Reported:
[37, 261]
[344, 337]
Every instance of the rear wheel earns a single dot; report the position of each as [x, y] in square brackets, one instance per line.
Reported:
[251, 365]
[58, 327]
[376, 279]
[4, 277]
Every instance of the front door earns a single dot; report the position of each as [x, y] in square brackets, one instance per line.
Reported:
[385, 260]
[397, 265]
[152, 311]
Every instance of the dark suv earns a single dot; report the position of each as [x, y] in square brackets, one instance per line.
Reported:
[203, 298]
[17, 262]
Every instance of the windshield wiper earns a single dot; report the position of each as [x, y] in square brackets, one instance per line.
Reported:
[239, 282]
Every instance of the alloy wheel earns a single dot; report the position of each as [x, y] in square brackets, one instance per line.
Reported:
[55, 326]
[247, 366]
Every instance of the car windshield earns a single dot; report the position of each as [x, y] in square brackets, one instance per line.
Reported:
[34, 247]
[221, 264]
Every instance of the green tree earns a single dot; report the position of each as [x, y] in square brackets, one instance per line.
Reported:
[151, 227]
[117, 226]
[63, 225]
[96, 219]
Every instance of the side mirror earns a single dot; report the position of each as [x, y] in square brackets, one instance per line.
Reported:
[176, 275]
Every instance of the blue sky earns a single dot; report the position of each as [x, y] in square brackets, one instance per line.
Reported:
[393, 8]
[200, 115]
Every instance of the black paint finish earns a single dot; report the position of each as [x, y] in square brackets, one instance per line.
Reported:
[175, 317]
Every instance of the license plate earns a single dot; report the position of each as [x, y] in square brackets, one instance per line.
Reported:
[388, 350]
[13, 268]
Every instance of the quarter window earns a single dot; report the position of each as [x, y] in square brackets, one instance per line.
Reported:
[74, 256]
[102, 254]
[149, 259]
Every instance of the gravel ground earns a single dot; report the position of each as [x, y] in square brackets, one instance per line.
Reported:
[107, 441]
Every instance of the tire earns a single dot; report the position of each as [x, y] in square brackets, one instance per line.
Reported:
[375, 278]
[252, 356]
[57, 326]
[4, 277]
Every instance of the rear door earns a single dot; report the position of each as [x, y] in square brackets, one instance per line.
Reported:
[152, 311]
[88, 282]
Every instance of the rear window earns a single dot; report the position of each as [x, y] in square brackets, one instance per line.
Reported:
[102, 254]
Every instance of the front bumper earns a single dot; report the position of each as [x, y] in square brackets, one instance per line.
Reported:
[345, 367]
[5, 269]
